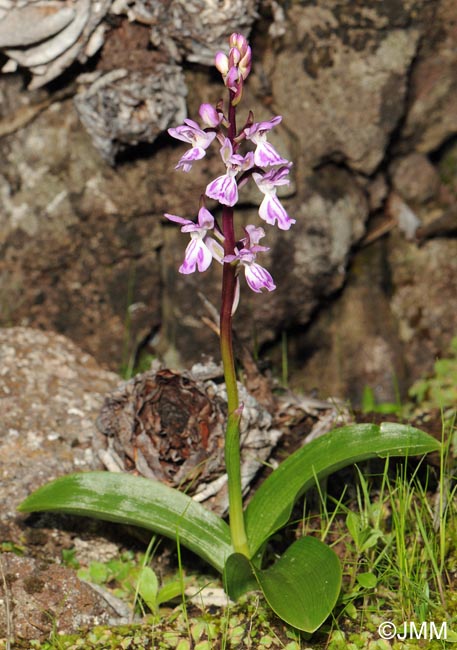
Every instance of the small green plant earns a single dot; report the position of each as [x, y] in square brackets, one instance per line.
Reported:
[370, 405]
[404, 541]
[303, 585]
[153, 594]
[120, 573]
[129, 576]
[11, 547]
[439, 390]
[69, 558]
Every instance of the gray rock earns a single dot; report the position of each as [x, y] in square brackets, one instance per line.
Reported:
[42, 598]
[50, 395]
[122, 108]
[415, 178]
[46, 38]
[341, 80]
[432, 119]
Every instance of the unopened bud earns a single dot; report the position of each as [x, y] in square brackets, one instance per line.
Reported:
[209, 115]
[222, 63]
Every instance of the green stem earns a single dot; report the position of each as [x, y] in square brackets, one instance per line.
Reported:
[232, 436]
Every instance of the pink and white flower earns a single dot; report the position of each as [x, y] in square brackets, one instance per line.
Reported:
[200, 140]
[265, 155]
[201, 248]
[271, 209]
[225, 188]
[257, 277]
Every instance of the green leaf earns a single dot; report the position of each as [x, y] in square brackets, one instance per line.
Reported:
[271, 505]
[368, 400]
[354, 525]
[304, 584]
[239, 576]
[302, 587]
[170, 591]
[367, 580]
[137, 501]
[98, 573]
[148, 587]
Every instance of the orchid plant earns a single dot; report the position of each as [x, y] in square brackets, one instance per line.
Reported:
[303, 585]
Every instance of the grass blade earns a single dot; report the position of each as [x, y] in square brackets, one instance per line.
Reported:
[271, 505]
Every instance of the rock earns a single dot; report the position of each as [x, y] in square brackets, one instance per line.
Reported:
[134, 94]
[349, 76]
[366, 96]
[354, 343]
[48, 38]
[123, 108]
[415, 178]
[79, 242]
[432, 116]
[50, 396]
[197, 29]
[424, 290]
[41, 598]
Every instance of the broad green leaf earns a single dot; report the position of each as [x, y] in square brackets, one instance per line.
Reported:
[148, 587]
[137, 501]
[367, 580]
[354, 526]
[170, 591]
[239, 576]
[302, 587]
[271, 505]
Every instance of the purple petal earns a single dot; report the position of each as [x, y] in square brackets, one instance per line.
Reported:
[173, 217]
[232, 78]
[216, 250]
[209, 115]
[226, 151]
[196, 255]
[205, 219]
[185, 162]
[266, 155]
[271, 210]
[279, 176]
[229, 258]
[242, 162]
[255, 234]
[186, 132]
[224, 189]
[204, 258]
[271, 179]
[259, 127]
[221, 62]
[258, 278]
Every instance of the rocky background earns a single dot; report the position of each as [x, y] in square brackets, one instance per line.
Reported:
[368, 92]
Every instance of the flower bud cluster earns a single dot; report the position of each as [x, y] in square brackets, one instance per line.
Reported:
[236, 66]
[261, 162]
